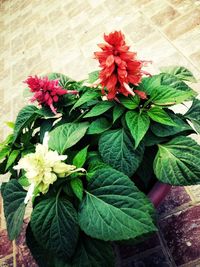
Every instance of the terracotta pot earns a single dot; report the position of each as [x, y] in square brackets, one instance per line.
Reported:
[158, 193]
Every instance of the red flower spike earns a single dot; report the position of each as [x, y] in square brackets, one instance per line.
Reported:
[46, 92]
[119, 67]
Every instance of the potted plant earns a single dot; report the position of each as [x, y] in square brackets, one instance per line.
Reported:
[90, 156]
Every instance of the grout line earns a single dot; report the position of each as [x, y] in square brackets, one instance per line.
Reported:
[190, 194]
[165, 248]
[7, 257]
[167, 39]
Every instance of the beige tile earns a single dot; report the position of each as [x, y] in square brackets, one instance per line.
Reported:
[139, 28]
[152, 7]
[183, 24]
[189, 42]
[195, 57]
[164, 16]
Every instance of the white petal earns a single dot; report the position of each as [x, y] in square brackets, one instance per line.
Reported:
[46, 139]
[29, 194]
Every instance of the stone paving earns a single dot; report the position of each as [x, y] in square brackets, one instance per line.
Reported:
[37, 37]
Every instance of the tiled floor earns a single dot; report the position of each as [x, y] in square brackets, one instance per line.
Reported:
[37, 37]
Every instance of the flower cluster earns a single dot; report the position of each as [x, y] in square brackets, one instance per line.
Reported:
[44, 167]
[46, 91]
[119, 67]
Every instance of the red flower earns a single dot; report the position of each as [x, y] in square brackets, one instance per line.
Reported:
[46, 92]
[119, 66]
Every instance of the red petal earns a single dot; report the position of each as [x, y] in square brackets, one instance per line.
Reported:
[141, 94]
[110, 60]
[111, 82]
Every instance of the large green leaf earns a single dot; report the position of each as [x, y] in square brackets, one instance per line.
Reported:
[93, 253]
[67, 135]
[193, 114]
[166, 95]
[178, 162]
[165, 130]
[138, 124]
[24, 118]
[117, 150]
[180, 72]
[87, 96]
[130, 102]
[99, 126]
[99, 109]
[173, 81]
[114, 209]
[14, 207]
[43, 257]
[159, 115]
[55, 226]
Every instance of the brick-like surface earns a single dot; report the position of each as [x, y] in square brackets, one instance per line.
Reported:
[37, 37]
[176, 198]
[181, 232]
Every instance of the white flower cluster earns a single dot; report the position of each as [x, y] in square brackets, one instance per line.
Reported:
[44, 167]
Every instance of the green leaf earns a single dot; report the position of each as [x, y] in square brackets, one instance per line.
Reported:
[25, 117]
[93, 253]
[151, 139]
[173, 81]
[93, 76]
[114, 209]
[87, 96]
[58, 262]
[7, 141]
[138, 124]
[99, 126]
[10, 124]
[14, 207]
[4, 152]
[23, 180]
[130, 102]
[99, 109]
[178, 162]
[181, 73]
[117, 112]
[43, 257]
[64, 81]
[149, 84]
[55, 227]
[77, 187]
[193, 114]
[12, 157]
[117, 150]
[45, 112]
[46, 126]
[159, 115]
[165, 130]
[80, 157]
[166, 95]
[66, 135]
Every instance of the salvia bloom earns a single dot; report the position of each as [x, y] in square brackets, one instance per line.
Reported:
[46, 92]
[119, 66]
[43, 167]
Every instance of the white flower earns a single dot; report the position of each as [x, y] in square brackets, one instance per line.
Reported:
[44, 167]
